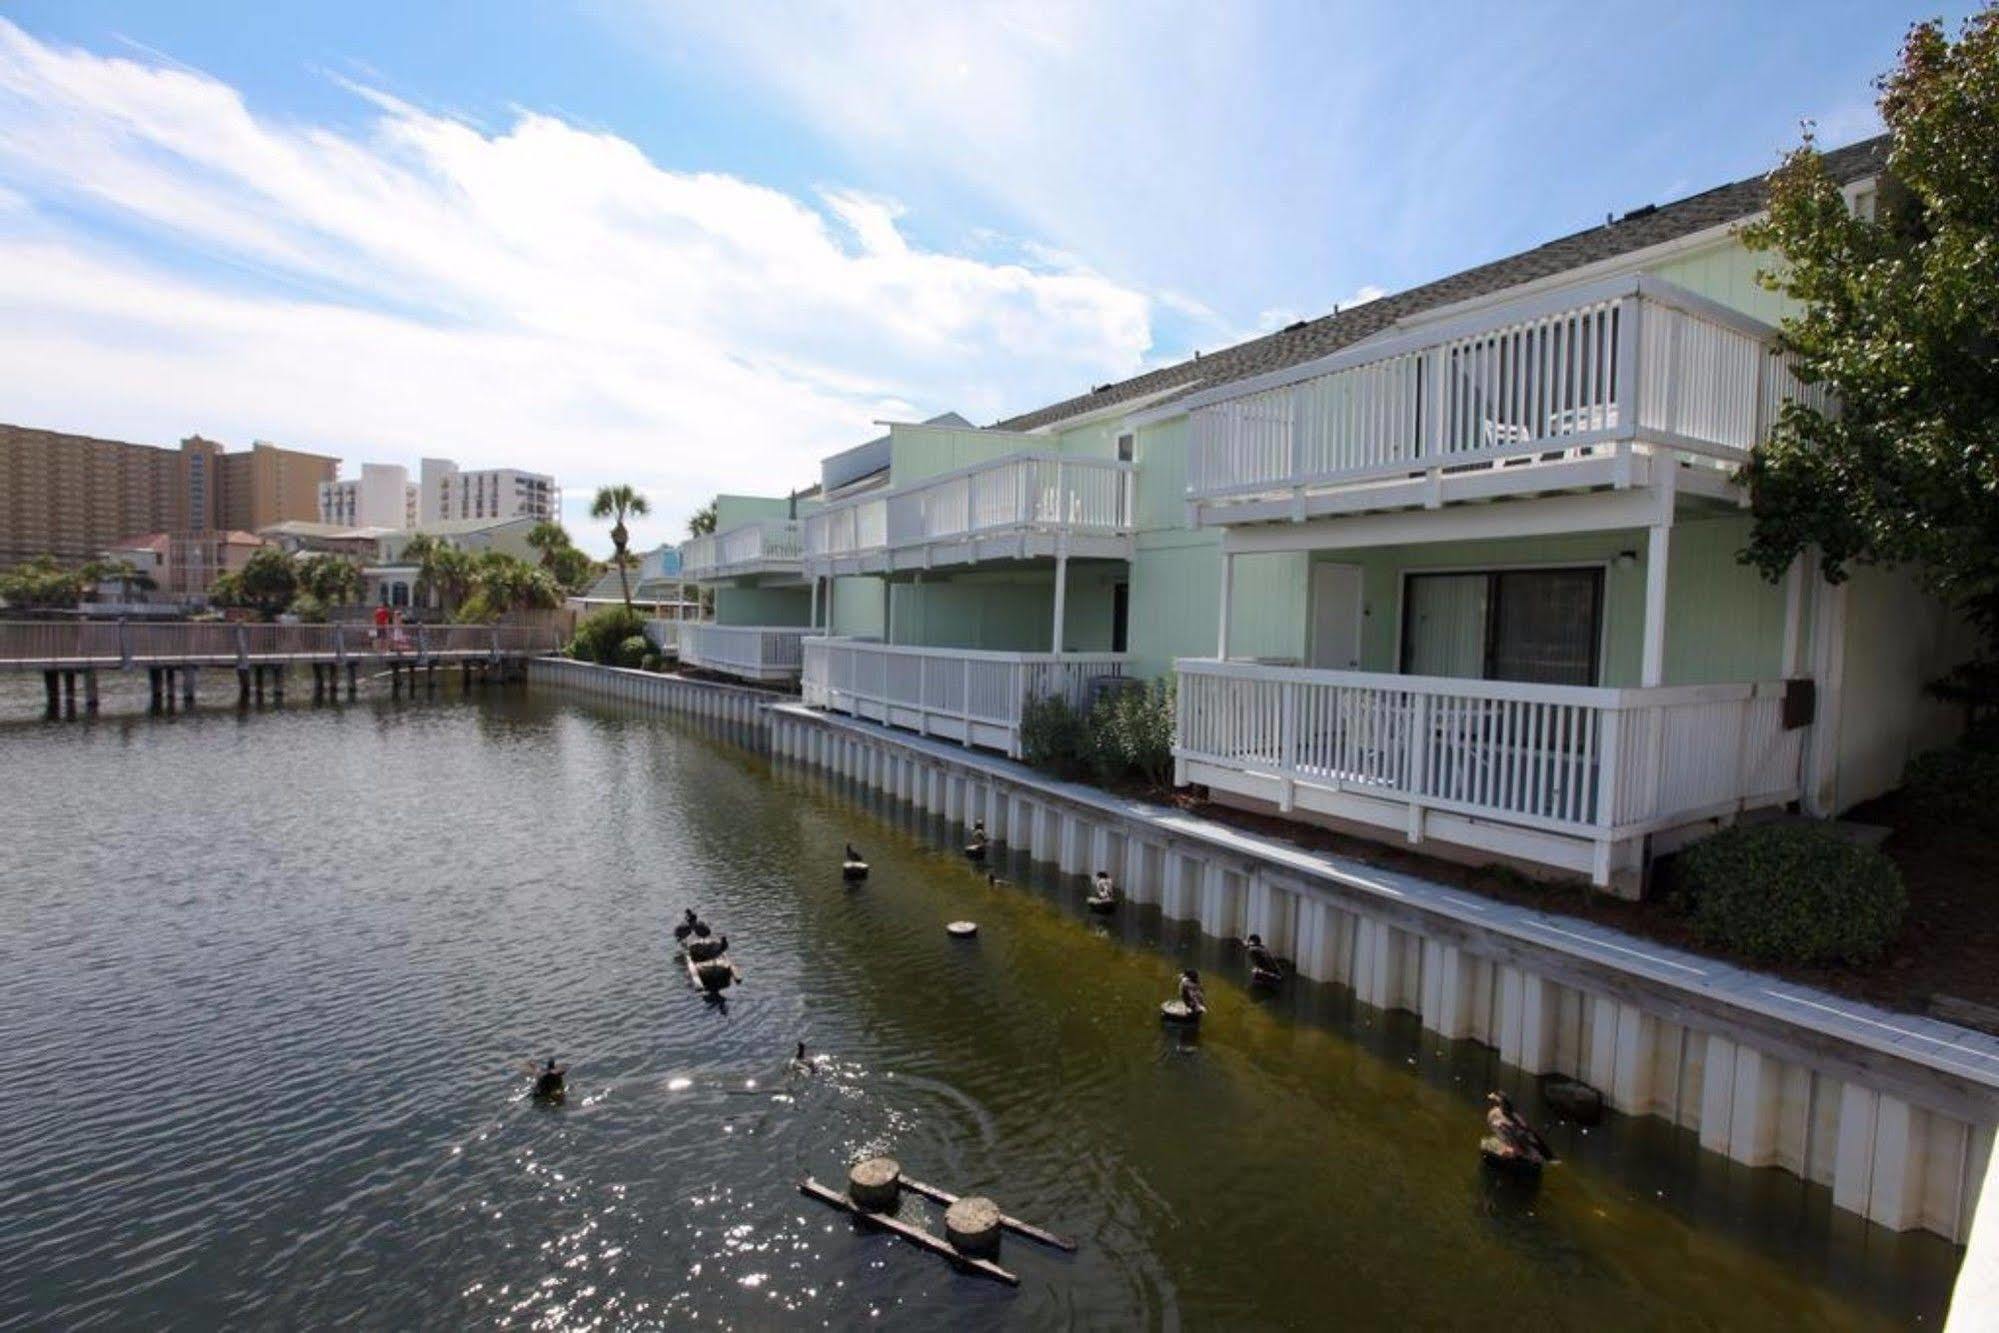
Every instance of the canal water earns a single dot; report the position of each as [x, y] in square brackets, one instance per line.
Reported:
[267, 981]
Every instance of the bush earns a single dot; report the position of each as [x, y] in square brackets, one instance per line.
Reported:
[1126, 738]
[634, 651]
[1792, 893]
[1054, 737]
[309, 609]
[1954, 786]
[602, 634]
[651, 662]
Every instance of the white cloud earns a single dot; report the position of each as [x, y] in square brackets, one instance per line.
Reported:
[539, 294]
[1362, 295]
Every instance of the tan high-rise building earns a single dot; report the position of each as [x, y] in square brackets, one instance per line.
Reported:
[73, 497]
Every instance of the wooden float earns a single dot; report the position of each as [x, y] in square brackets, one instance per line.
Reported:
[1013, 1224]
[914, 1235]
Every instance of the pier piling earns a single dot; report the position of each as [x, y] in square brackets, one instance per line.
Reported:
[69, 693]
[242, 686]
[353, 680]
[155, 686]
[278, 683]
[90, 691]
[53, 687]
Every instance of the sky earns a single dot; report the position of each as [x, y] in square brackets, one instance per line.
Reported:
[696, 247]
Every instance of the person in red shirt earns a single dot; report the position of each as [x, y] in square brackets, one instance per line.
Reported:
[381, 622]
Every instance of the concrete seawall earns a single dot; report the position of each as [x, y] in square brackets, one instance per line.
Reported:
[1894, 1114]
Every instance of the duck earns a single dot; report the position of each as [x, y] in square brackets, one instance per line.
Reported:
[1510, 1143]
[703, 945]
[1103, 893]
[687, 927]
[853, 867]
[1264, 969]
[799, 1063]
[1191, 1004]
[975, 850]
[550, 1081]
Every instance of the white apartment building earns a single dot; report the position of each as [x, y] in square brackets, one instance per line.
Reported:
[383, 496]
[448, 494]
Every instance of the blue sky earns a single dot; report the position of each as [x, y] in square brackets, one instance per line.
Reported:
[696, 246]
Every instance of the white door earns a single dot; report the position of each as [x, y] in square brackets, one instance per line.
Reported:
[1336, 613]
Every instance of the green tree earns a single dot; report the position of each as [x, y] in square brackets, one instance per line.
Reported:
[618, 503]
[1901, 328]
[549, 538]
[41, 583]
[267, 582]
[331, 579]
[701, 522]
[504, 583]
[574, 570]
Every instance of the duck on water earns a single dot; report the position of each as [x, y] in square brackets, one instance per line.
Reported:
[1103, 893]
[1510, 1143]
[854, 866]
[1191, 1003]
[1264, 969]
[551, 1081]
[975, 850]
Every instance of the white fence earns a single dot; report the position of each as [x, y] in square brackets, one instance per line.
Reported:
[958, 693]
[1046, 492]
[755, 547]
[752, 652]
[1600, 764]
[1602, 367]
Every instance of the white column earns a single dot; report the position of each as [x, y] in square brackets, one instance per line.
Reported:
[1061, 596]
[814, 619]
[1658, 549]
[1228, 585]
[1794, 616]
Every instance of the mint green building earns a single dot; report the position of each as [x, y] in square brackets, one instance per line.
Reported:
[1454, 567]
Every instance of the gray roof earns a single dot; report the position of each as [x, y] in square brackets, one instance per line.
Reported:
[1307, 341]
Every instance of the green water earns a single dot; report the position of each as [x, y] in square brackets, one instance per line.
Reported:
[281, 968]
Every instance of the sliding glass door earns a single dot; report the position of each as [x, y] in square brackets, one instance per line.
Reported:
[1541, 626]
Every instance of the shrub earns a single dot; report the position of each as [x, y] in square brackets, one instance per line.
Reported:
[634, 651]
[309, 609]
[651, 662]
[1792, 893]
[1053, 737]
[1127, 737]
[1955, 786]
[602, 634]
[1131, 735]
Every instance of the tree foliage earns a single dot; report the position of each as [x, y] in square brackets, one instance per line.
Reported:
[701, 522]
[43, 583]
[1901, 325]
[267, 582]
[618, 503]
[502, 583]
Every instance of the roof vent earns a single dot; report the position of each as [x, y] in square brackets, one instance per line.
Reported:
[1646, 211]
[1295, 324]
[1102, 388]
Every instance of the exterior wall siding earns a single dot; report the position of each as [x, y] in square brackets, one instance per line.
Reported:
[1007, 612]
[763, 606]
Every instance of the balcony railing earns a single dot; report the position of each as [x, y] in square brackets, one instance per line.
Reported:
[958, 693]
[764, 546]
[750, 652]
[1632, 362]
[1017, 494]
[1603, 765]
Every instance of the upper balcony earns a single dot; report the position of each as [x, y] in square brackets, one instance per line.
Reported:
[1596, 386]
[1023, 506]
[762, 548]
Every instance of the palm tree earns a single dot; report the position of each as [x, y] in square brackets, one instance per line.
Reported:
[701, 522]
[617, 503]
[550, 539]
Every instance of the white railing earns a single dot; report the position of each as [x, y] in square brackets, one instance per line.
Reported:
[960, 693]
[663, 635]
[753, 652]
[1631, 362]
[1597, 763]
[1021, 492]
[99, 644]
[755, 547]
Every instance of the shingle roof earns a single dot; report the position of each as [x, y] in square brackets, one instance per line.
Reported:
[1307, 341]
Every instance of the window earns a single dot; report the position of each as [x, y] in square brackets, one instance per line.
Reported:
[1127, 447]
[1539, 626]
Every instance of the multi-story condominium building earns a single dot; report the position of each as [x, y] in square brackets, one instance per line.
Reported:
[1454, 567]
[383, 496]
[72, 496]
[448, 494]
